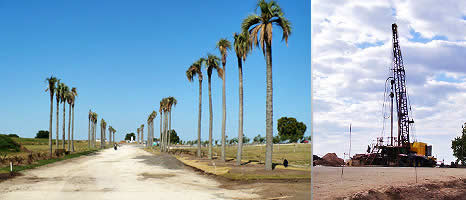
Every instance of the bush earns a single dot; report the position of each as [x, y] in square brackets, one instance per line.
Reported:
[290, 129]
[42, 134]
[7, 144]
[129, 135]
[13, 135]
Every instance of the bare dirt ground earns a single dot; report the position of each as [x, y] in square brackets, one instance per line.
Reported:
[280, 183]
[329, 183]
[128, 173]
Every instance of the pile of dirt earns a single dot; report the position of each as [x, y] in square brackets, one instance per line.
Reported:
[330, 159]
[455, 189]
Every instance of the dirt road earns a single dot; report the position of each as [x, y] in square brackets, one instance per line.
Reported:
[128, 173]
[330, 184]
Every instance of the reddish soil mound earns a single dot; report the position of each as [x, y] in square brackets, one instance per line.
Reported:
[455, 189]
[330, 159]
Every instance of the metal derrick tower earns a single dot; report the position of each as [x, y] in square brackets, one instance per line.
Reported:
[399, 87]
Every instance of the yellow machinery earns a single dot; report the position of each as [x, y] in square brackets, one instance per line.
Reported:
[419, 148]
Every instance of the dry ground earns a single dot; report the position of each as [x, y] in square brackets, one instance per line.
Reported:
[281, 183]
[329, 183]
[128, 173]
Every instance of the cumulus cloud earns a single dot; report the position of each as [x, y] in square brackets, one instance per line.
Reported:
[351, 60]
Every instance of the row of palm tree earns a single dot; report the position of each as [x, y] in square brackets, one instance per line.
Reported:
[166, 105]
[92, 129]
[150, 128]
[256, 31]
[111, 134]
[64, 95]
[103, 126]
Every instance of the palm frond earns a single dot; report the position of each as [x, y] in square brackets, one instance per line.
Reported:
[242, 44]
[223, 45]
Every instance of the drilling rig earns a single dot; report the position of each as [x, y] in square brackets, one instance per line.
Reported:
[397, 151]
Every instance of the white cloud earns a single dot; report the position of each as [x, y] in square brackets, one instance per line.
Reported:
[349, 78]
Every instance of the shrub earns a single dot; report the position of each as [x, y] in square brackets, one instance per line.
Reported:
[7, 144]
[13, 135]
[42, 134]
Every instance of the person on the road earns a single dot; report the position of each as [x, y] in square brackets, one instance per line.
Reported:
[115, 146]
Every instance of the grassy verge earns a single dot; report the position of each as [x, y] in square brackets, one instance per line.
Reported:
[251, 171]
[298, 155]
[45, 162]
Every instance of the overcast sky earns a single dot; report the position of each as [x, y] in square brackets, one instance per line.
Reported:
[351, 58]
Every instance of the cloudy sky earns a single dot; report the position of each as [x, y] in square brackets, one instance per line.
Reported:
[351, 58]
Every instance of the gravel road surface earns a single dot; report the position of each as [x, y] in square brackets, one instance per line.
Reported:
[127, 173]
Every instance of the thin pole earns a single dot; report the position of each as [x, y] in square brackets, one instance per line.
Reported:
[349, 154]
[391, 114]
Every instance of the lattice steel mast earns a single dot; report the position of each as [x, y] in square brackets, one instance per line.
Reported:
[400, 92]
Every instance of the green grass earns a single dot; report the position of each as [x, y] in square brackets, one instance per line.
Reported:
[296, 154]
[42, 145]
[45, 162]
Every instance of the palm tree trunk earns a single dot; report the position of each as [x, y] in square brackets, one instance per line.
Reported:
[69, 127]
[269, 110]
[240, 112]
[64, 126]
[210, 118]
[142, 135]
[89, 134]
[94, 134]
[199, 121]
[50, 123]
[160, 138]
[72, 132]
[166, 132]
[169, 129]
[224, 117]
[58, 119]
[101, 137]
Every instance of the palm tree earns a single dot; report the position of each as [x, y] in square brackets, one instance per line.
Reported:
[63, 98]
[74, 93]
[223, 45]
[94, 130]
[164, 105]
[113, 131]
[260, 29]
[142, 133]
[51, 88]
[89, 130]
[69, 99]
[171, 102]
[57, 98]
[242, 46]
[137, 138]
[212, 63]
[154, 115]
[110, 133]
[161, 116]
[103, 126]
[193, 70]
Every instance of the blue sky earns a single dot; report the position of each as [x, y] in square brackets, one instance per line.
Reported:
[124, 57]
